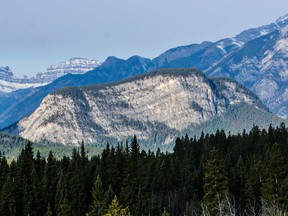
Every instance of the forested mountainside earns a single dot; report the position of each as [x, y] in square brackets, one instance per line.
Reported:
[9, 143]
[155, 106]
[217, 174]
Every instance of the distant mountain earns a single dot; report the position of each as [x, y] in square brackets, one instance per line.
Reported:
[155, 106]
[6, 74]
[257, 58]
[72, 66]
[262, 66]
[9, 83]
[207, 54]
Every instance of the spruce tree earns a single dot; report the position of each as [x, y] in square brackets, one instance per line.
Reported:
[253, 185]
[215, 182]
[275, 186]
[64, 209]
[7, 198]
[131, 182]
[50, 181]
[49, 211]
[98, 206]
[116, 210]
[165, 213]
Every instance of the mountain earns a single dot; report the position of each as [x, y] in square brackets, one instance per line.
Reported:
[23, 102]
[207, 54]
[9, 83]
[72, 66]
[257, 58]
[155, 106]
[6, 74]
[261, 65]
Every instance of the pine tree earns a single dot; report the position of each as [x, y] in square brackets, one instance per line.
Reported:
[7, 198]
[64, 209]
[165, 213]
[215, 182]
[98, 206]
[84, 158]
[275, 186]
[237, 185]
[62, 189]
[49, 211]
[3, 170]
[131, 183]
[50, 181]
[116, 210]
[253, 185]
[108, 197]
[27, 175]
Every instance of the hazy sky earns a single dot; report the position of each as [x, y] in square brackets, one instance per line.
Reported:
[37, 33]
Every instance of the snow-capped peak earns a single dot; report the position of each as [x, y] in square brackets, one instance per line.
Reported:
[282, 21]
[282, 18]
[6, 73]
[73, 66]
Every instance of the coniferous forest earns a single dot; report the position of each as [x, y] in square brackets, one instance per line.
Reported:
[216, 174]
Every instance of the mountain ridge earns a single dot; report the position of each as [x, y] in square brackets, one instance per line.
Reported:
[155, 106]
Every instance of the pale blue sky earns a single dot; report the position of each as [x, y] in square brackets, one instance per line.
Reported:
[37, 33]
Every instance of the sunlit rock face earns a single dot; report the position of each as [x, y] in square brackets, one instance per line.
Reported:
[156, 104]
[262, 66]
[71, 66]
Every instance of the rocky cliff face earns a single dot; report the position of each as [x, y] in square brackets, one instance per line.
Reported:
[9, 83]
[154, 106]
[6, 74]
[257, 58]
[72, 66]
[23, 102]
[261, 65]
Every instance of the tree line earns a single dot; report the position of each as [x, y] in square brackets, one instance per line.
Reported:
[215, 174]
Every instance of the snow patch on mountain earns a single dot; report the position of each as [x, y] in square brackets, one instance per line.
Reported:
[72, 66]
[282, 20]
[6, 74]
[8, 87]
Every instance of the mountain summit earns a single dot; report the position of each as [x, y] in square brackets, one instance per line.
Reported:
[261, 65]
[72, 66]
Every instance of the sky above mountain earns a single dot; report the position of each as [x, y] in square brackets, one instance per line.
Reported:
[35, 34]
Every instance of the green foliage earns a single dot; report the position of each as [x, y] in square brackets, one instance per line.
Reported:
[242, 174]
[215, 182]
[165, 213]
[116, 210]
[48, 212]
[98, 206]
[275, 186]
[64, 209]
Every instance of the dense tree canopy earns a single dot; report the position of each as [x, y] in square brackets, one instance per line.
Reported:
[243, 174]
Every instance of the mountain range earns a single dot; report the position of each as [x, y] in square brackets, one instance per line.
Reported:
[9, 82]
[256, 58]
